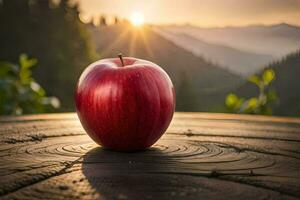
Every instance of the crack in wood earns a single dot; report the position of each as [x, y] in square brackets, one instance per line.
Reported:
[232, 136]
[31, 182]
[237, 179]
[35, 138]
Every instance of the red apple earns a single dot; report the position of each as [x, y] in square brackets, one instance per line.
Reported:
[125, 104]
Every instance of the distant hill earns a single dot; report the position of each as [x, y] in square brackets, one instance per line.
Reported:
[287, 84]
[200, 85]
[269, 42]
[237, 61]
[276, 40]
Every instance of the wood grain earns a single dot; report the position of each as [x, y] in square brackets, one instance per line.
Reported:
[202, 155]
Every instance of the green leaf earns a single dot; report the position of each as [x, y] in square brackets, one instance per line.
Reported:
[37, 89]
[25, 62]
[25, 76]
[231, 100]
[268, 76]
[55, 103]
[19, 92]
[35, 86]
[252, 103]
[255, 79]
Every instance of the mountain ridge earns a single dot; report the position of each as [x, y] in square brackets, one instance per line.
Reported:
[230, 27]
[270, 42]
[237, 61]
[284, 38]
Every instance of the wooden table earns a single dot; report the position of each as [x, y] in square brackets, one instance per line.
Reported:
[202, 156]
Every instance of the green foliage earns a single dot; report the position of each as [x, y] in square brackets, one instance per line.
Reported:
[52, 32]
[261, 104]
[19, 92]
[286, 85]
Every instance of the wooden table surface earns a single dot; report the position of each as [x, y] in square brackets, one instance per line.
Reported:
[202, 156]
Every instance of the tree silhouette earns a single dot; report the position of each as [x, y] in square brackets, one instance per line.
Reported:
[52, 33]
[102, 21]
[116, 20]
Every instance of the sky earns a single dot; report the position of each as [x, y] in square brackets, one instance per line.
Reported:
[205, 13]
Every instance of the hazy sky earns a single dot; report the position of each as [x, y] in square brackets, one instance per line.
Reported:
[207, 13]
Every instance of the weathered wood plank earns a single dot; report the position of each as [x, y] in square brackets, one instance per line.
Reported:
[212, 156]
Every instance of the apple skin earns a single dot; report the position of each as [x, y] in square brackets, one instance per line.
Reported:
[125, 108]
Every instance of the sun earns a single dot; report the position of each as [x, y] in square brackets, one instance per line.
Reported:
[137, 19]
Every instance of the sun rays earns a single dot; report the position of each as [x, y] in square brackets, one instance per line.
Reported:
[131, 38]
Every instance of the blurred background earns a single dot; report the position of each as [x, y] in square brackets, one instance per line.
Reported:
[237, 56]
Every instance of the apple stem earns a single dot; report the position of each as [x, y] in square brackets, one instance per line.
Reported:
[121, 58]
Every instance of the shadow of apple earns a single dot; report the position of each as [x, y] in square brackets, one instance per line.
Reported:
[158, 173]
[136, 175]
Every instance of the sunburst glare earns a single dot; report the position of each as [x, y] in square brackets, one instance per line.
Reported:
[137, 19]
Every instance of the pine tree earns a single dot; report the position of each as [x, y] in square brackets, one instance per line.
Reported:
[52, 33]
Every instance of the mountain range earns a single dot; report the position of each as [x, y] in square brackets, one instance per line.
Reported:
[242, 50]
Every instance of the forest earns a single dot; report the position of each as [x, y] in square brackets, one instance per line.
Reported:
[52, 34]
